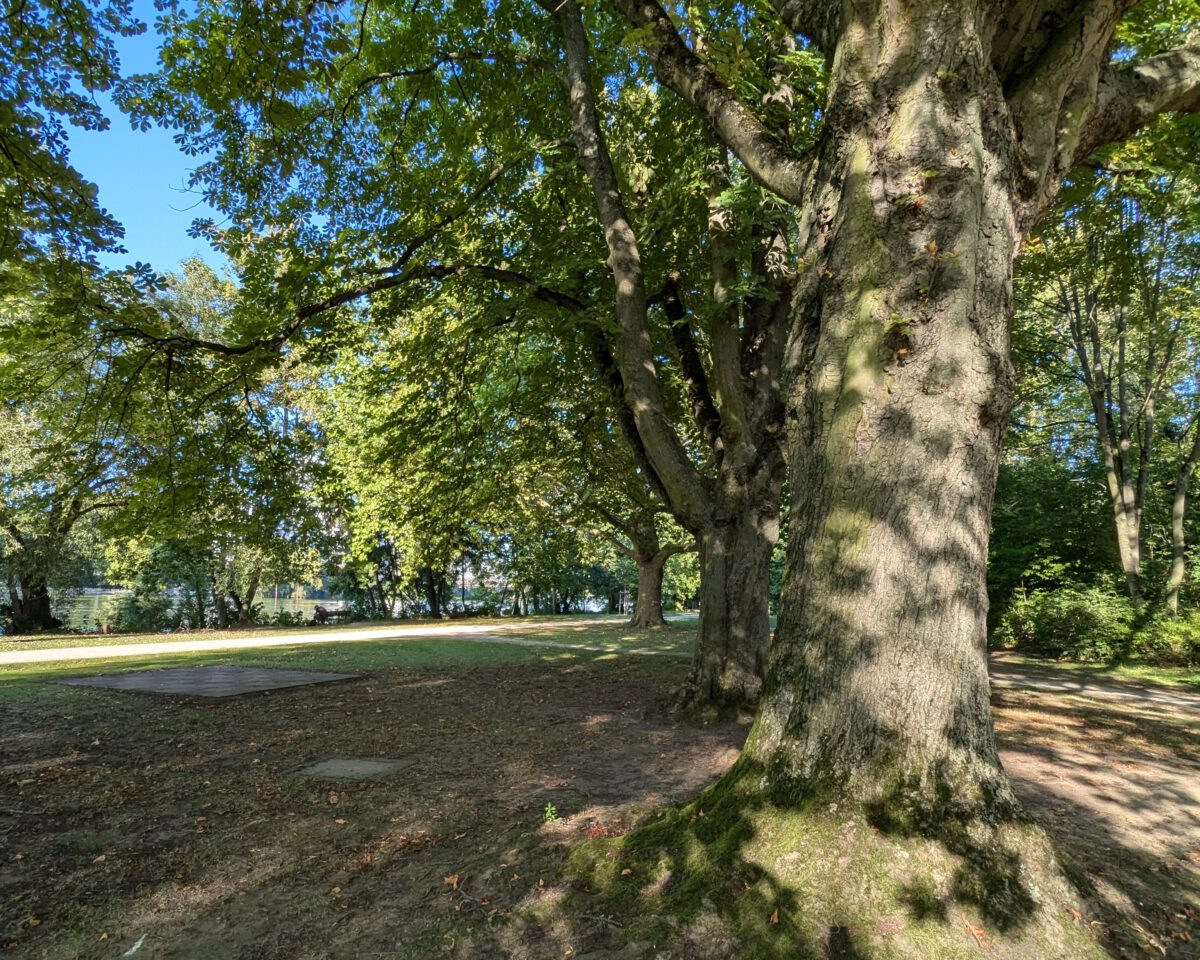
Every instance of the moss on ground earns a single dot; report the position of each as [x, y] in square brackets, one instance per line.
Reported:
[732, 875]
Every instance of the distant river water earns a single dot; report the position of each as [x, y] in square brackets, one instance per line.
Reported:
[85, 611]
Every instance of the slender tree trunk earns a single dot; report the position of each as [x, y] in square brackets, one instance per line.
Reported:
[1113, 447]
[1179, 505]
[1121, 499]
[246, 606]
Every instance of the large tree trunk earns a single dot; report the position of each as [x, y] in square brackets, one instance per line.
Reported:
[946, 132]
[30, 604]
[735, 617]
[878, 687]
[648, 609]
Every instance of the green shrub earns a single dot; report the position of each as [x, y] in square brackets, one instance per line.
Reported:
[1170, 642]
[289, 618]
[143, 613]
[1070, 623]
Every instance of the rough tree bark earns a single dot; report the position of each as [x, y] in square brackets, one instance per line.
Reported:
[648, 608]
[735, 615]
[879, 679]
[636, 535]
[947, 131]
[736, 529]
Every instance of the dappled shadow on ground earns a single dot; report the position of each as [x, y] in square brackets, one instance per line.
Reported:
[1118, 787]
[189, 822]
[732, 875]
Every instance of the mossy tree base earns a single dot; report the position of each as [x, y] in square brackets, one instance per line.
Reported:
[734, 875]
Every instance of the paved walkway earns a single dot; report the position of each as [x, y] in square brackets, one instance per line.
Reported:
[1004, 672]
[456, 631]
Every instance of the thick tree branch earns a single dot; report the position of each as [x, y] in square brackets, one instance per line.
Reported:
[1047, 94]
[771, 163]
[726, 337]
[606, 363]
[708, 420]
[180, 343]
[618, 525]
[764, 328]
[635, 348]
[15, 533]
[1131, 95]
[671, 549]
[819, 20]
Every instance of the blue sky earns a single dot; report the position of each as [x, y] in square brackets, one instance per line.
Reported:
[143, 176]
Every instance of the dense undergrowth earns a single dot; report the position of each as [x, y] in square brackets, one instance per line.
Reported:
[1094, 625]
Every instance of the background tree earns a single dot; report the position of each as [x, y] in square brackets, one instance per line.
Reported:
[1113, 285]
[70, 437]
[943, 136]
[498, 211]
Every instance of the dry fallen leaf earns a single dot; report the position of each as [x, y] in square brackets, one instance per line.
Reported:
[451, 880]
[775, 915]
[976, 932]
[333, 798]
[626, 872]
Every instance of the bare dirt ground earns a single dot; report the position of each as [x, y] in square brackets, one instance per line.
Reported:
[1118, 787]
[152, 827]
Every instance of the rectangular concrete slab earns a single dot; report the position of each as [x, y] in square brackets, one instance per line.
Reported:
[214, 681]
[356, 768]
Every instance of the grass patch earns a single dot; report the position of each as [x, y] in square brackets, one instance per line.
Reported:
[677, 637]
[190, 822]
[346, 657]
[1127, 672]
[65, 639]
